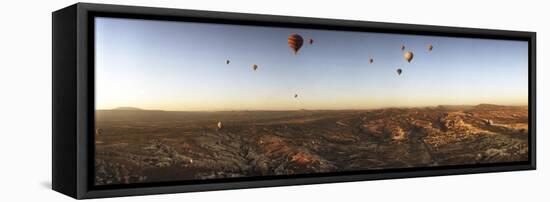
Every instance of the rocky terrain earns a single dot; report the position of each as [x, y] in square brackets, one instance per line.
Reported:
[136, 146]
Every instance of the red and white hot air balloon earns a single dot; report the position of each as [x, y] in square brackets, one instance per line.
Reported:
[295, 42]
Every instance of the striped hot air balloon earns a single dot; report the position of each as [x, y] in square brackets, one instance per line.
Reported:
[295, 42]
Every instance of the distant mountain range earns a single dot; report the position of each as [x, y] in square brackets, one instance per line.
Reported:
[128, 109]
[448, 107]
[478, 107]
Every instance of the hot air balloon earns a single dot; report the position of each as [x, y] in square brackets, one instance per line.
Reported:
[371, 60]
[254, 67]
[310, 41]
[430, 47]
[408, 56]
[295, 95]
[98, 131]
[227, 62]
[399, 71]
[220, 126]
[402, 47]
[295, 42]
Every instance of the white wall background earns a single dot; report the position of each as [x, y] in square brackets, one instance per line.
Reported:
[25, 99]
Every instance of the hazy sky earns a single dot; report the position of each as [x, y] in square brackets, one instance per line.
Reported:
[181, 66]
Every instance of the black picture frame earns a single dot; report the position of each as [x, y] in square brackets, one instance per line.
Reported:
[73, 99]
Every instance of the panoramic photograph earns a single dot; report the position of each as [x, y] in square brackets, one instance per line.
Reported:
[180, 101]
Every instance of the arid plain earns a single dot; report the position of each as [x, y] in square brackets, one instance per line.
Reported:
[140, 146]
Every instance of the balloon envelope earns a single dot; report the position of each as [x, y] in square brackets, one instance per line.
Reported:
[220, 125]
[227, 61]
[402, 47]
[98, 131]
[371, 61]
[399, 71]
[295, 42]
[254, 67]
[408, 56]
[310, 41]
[430, 47]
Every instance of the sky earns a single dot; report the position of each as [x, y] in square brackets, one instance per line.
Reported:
[180, 66]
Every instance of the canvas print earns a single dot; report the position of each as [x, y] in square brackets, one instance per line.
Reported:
[180, 101]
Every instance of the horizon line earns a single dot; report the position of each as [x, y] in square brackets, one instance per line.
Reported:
[305, 109]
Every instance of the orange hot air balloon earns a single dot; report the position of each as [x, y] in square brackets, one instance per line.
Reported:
[295, 42]
[254, 67]
[310, 41]
[430, 47]
[220, 125]
[402, 47]
[371, 60]
[408, 56]
[399, 71]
